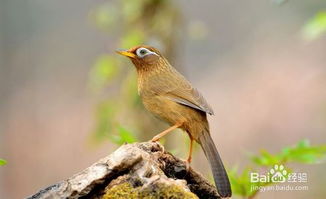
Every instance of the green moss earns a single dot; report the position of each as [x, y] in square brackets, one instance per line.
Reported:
[125, 190]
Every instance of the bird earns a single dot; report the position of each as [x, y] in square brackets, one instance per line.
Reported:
[170, 96]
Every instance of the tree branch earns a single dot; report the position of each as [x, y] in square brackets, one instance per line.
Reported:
[134, 171]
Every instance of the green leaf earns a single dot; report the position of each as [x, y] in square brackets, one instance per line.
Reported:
[240, 183]
[3, 162]
[126, 135]
[301, 153]
[315, 27]
[265, 159]
[304, 153]
[123, 136]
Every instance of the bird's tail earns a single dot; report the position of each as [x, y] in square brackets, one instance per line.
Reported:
[220, 176]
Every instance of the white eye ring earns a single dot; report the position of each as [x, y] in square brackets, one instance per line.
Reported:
[142, 52]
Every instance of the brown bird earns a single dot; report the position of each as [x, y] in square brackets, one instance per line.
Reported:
[170, 97]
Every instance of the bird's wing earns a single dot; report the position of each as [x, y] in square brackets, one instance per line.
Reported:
[190, 97]
[178, 89]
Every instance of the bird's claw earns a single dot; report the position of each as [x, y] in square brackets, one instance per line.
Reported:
[155, 139]
[187, 164]
[156, 142]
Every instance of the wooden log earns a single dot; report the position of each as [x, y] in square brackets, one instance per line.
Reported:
[139, 170]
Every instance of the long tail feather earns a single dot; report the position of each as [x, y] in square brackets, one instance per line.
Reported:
[220, 176]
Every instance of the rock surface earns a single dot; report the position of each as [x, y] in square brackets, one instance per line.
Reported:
[139, 170]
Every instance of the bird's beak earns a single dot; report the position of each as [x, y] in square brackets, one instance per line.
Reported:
[126, 53]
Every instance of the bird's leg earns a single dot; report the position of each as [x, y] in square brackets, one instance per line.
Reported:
[163, 133]
[190, 154]
[190, 151]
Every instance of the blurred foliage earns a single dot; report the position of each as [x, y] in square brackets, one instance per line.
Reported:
[128, 23]
[315, 27]
[123, 136]
[3, 162]
[303, 152]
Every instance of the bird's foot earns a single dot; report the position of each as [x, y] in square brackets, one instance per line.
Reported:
[187, 166]
[187, 163]
[156, 142]
[155, 138]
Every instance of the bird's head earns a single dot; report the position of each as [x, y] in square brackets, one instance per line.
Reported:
[143, 57]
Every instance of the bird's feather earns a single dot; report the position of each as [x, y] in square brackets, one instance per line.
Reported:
[190, 97]
[178, 89]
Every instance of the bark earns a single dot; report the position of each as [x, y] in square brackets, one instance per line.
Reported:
[139, 170]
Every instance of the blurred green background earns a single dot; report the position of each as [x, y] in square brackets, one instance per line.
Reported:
[66, 99]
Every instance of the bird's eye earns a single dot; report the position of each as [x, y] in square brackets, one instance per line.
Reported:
[142, 52]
